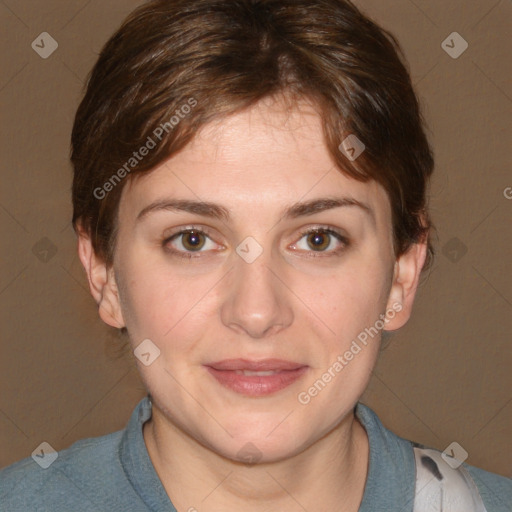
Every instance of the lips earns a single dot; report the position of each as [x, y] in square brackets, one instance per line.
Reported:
[256, 378]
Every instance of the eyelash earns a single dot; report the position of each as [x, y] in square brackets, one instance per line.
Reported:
[313, 254]
[327, 231]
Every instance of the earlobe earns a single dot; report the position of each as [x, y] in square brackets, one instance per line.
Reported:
[102, 283]
[406, 277]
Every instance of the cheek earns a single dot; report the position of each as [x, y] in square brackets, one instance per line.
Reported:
[161, 304]
[350, 303]
[348, 300]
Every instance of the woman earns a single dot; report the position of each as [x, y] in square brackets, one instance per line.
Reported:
[250, 199]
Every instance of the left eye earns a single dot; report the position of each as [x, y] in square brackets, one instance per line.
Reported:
[320, 240]
[191, 240]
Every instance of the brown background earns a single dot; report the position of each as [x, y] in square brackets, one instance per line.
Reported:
[444, 377]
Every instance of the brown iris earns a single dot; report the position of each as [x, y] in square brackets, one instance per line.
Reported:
[318, 241]
[193, 240]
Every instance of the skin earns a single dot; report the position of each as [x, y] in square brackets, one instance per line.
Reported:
[294, 302]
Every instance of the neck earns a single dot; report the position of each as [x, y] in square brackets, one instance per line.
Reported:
[328, 475]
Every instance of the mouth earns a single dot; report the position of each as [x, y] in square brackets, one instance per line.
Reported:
[256, 378]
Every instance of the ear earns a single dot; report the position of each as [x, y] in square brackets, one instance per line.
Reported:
[102, 282]
[406, 277]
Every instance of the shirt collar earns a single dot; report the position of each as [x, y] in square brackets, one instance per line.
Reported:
[138, 466]
[391, 477]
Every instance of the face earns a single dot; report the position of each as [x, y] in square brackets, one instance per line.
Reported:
[282, 273]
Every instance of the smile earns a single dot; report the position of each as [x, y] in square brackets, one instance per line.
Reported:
[256, 378]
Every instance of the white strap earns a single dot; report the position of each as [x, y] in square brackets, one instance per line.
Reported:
[441, 488]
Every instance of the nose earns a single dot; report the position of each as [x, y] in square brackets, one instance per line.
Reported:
[257, 303]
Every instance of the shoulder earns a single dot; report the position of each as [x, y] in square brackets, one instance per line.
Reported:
[454, 485]
[62, 479]
[427, 476]
[496, 490]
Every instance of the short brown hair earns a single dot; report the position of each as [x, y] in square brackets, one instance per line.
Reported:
[218, 57]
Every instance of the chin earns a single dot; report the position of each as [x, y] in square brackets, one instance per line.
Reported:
[258, 451]
[267, 441]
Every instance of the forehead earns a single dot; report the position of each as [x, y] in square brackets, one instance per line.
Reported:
[259, 159]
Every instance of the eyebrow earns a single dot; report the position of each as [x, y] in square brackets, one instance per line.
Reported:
[216, 211]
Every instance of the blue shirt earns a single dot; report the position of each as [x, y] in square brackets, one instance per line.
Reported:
[114, 473]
